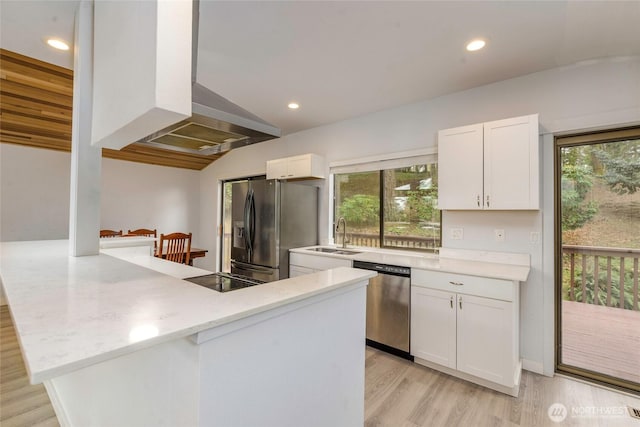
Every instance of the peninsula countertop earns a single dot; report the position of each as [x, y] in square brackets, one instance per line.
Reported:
[72, 312]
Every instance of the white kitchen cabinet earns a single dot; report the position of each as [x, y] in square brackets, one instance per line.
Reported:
[300, 264]
[490, 166]
[433, 326]
[484, 338]
[467, 326]
[460, 168]
[306, 166]
[277, 169]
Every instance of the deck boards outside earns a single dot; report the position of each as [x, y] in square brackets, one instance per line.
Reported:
[601, 339]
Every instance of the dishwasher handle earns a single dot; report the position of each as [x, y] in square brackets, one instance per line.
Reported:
[393, 270]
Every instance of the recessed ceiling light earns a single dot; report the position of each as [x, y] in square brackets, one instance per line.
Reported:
[293, 105]
[476, 44]
[57, 44]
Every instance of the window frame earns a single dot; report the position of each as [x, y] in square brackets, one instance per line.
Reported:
[357, 168]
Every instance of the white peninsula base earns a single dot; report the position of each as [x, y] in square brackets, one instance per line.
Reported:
[294, 365]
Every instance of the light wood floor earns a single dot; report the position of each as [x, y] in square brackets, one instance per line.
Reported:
[404, 394]
[21, 404]
[601, 339]
[398, 393]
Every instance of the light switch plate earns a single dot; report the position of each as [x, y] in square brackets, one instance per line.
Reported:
[456, 234]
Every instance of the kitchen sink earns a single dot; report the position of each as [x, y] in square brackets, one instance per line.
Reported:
[337, 251]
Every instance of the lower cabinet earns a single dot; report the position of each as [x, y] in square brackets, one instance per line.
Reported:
[300, 264]
[297, 270]
[484, 338]
[433, 326]
[468, 327]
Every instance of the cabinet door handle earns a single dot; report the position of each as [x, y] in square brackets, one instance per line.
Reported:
[460, 302]
[487, 200]
[457, 283]
[478, 200]
[451, 302]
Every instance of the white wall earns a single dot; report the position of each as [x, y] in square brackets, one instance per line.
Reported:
[596, 94]
[136, 195]
[35, 195]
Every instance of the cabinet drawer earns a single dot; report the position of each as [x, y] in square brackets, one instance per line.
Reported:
[462, 284]
[317, 262]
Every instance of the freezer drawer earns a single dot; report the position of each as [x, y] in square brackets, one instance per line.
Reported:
[265, 274]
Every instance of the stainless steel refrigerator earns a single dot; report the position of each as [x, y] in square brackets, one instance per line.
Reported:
[269, 217]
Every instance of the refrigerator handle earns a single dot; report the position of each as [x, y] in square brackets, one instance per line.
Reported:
[252, 219]
[247, 230]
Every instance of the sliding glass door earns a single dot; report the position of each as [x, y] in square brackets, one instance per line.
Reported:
[598, 249]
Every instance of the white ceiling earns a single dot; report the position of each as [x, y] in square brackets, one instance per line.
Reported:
[344, 59]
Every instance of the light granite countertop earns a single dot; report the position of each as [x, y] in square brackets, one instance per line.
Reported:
[495, 265]
[72, 312]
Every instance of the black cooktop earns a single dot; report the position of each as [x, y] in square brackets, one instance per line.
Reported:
[224, 282]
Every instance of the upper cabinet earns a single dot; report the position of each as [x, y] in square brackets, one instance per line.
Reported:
[306, 166]
[141, 69]
[490, 166]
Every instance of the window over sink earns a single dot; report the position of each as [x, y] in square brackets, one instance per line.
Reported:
[392, 207]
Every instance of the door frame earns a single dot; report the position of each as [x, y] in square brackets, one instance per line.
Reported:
[586, 138]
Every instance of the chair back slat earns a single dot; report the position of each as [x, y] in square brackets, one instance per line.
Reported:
[110, 233]
[175, 247]
[146, 232]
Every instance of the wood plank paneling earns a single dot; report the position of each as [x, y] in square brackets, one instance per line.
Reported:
[36, 100]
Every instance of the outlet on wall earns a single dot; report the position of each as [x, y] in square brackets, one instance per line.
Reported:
[456, 234]
[534, 237]
[499, 233]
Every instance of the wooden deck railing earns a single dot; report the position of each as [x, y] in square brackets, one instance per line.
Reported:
[405, 242]
[601, 276]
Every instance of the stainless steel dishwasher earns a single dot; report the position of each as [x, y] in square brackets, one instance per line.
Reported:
[388, 307]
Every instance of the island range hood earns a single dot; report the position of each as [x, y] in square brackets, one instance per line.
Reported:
[216, 124]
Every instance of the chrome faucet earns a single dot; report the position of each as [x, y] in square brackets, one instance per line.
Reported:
[344, 230]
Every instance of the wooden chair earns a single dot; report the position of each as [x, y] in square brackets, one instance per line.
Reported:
[175, 247]
[145, 232]
[110, 233]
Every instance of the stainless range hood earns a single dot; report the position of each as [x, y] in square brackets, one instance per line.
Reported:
[216, 124]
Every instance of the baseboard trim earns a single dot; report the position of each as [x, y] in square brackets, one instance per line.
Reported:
[511, 391]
